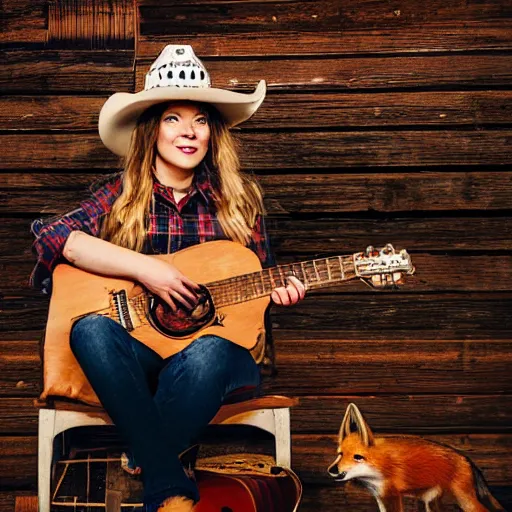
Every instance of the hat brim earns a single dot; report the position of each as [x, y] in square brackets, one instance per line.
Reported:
[119, 114]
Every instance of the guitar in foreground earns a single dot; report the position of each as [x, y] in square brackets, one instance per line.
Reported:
[234, 295]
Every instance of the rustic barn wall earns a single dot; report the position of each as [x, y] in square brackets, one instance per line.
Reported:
[384, 122]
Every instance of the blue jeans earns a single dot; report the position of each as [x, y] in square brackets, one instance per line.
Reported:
[160, 406]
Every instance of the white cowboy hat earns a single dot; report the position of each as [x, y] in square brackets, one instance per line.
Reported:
[177, 74]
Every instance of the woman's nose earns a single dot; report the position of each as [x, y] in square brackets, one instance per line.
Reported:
[188, 130]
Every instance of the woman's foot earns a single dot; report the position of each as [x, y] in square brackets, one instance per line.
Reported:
[177, 504]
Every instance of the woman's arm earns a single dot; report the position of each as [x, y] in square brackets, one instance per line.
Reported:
[161, 278]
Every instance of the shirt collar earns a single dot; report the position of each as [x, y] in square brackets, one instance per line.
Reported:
[201, 184]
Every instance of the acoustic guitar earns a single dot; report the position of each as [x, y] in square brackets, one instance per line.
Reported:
[234, 293]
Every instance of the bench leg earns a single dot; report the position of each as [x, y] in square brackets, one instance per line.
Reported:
[45, 453]
[283, 435]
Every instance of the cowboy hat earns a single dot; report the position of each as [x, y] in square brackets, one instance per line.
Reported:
[177, 74]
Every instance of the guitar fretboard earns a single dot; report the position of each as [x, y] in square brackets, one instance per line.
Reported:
[314, 274]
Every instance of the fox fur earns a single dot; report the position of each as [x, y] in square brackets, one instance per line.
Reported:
[392, 467]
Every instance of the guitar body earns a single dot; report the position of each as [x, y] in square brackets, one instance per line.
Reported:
[77, 293]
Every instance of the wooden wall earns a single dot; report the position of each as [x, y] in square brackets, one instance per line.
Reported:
[385, 121]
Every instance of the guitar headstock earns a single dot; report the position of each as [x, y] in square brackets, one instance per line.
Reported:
[383, 267]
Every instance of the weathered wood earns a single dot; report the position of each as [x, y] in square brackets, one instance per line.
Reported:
[50, 71]
[333, 236]
[390, 366]
[92, 24]
[278, 111]
[50, 112]
[447, 414]
[50, 193]
[415, 414]
[20, 368]
[343, 235]
[299, 15]
[355, 74]
[280, 150]
[311, 455]
[363, 316]
[19, 417]
[26, 504]
[8, 498]
[367, 366]
[336, 497]
[439, 273]
[490, 35]
[479, 313]
[23, 21]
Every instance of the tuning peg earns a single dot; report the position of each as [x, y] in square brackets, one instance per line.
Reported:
[370, 250]
[388, 249]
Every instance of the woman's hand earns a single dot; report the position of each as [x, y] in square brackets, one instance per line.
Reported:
[289, 294]
[168, 283]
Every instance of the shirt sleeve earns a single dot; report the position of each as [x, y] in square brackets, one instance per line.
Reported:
[51, 234]
[260, 243]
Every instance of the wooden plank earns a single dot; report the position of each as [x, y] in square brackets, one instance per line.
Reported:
[60, 112]
[19, 416]
[386, 315]
[20, 368]
[355, 73]
[436, 273]
[278, 111]
[363, 316]
[23, 21]
[301, 16]
[285, 194]
[389, 366]
[343, 235]
[336, 497]
[26, 504]
[451, 37]
[367, 366]
[84, 71]
[311, 455]
[415, 414]
[279, 150]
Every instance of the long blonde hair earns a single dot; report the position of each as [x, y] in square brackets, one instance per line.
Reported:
[238, 198]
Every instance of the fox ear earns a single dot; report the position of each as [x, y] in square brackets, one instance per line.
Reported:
[353, 417]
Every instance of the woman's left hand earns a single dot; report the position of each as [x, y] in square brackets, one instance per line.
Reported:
[289, 294]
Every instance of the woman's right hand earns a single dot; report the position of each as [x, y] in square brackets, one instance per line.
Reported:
[168, 283]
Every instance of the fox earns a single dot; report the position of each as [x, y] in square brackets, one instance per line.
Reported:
[392, 467]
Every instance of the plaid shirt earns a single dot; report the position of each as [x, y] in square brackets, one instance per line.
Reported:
[172, 226]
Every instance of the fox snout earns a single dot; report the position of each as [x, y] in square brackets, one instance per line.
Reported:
[335, 473]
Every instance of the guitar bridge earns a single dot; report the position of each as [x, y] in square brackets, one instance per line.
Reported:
[120, 300]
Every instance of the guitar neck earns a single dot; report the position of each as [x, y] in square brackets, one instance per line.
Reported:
[313, 274]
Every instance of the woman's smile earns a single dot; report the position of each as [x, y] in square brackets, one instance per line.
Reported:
[188, 150]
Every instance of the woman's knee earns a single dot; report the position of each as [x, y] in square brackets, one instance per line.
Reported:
[213, 358]
[90, 334]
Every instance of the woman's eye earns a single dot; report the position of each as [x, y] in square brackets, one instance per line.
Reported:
[171, 118]
[202, 120]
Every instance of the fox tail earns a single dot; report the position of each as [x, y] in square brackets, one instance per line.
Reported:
[482, 490]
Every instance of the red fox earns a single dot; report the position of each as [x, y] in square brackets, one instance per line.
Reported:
[394, 467]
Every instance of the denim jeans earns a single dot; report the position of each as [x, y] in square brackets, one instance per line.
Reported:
[160, 406]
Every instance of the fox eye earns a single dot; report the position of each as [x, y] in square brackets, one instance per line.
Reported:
[358, 458]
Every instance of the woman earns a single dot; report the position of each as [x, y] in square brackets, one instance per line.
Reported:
[180, 186]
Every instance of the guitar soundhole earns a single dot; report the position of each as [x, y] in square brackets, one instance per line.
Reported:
[184, 322]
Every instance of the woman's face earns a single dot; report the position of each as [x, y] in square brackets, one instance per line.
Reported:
[183, 136]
